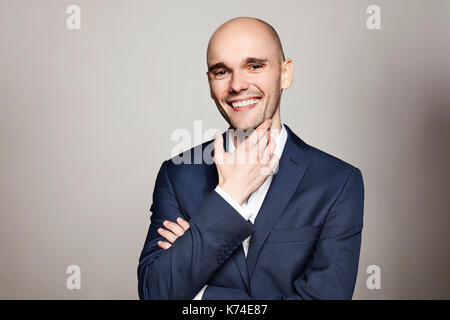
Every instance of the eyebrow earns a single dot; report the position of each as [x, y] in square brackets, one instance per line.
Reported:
[244, 61]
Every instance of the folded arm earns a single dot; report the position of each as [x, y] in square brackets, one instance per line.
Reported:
[183, 269]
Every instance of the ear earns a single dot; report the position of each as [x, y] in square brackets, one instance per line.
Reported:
[287, 73]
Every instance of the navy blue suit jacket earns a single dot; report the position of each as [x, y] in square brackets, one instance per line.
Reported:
[305, 241]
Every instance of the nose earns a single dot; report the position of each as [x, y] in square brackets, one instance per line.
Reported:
[238, 82]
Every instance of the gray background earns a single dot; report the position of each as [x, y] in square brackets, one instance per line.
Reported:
[86, 118]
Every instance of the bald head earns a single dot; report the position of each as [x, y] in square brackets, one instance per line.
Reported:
[256, 27]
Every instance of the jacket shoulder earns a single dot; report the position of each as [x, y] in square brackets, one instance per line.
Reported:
[325, 159]
[189, 165]
[321, 158]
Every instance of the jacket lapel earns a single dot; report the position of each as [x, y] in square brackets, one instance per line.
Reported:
[238, 257]
[292, 166]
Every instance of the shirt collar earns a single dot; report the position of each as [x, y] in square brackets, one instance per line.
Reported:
[280, 142]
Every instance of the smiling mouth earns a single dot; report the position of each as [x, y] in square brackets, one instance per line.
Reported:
[244, 105]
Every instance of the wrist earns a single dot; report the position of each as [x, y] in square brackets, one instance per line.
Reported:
[235, 193]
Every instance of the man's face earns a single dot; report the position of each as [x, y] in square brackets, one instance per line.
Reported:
[244, 76]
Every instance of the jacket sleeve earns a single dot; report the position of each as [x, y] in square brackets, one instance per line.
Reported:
[331, 272]
[179, 272]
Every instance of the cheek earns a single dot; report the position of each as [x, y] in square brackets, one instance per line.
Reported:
[267, 83]
[218, 89]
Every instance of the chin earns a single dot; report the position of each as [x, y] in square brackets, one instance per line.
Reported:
[245, 126]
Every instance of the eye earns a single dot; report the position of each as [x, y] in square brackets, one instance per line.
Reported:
[256, 66]
[220, 73]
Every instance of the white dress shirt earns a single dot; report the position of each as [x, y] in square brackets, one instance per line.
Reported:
[250, 208]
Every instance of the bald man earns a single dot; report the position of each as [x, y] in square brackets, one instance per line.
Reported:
[272, 217]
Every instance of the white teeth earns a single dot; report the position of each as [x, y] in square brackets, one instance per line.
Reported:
[244, 103]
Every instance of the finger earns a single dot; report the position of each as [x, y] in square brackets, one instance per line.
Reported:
[273, 164]
[256, 152]
[167, 235]
[262, 145]
[271, 167]
[175, 228]
[275, 132]
[183, 223]
[219, 151]
[265, 125]
[164, 245]
[268, 152]
[259, 132]
[273, 145]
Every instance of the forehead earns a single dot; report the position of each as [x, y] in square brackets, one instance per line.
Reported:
[231, 45]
